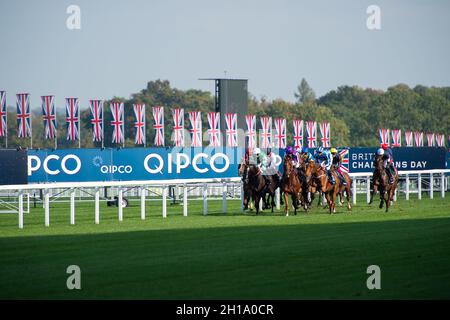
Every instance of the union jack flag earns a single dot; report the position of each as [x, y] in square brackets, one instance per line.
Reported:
[325, 134]
[195, 118]
[345, 163]
[311, 131]
[214, 129]
[72, 119]
[266, 132]
[396, 137]
[231, 131]
[440, 140]
[139, 124]
[158, 116]
[418, 137]
[3, 115]
[118, 135]
[96, 107]
[23, 115]
[409, 138]
[178, 127]
[298, 133]
[250, 119]
[49, 116]
[430, 139]
[280, 133]
[384, 136]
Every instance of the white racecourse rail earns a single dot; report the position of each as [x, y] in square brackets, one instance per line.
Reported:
[164, 184]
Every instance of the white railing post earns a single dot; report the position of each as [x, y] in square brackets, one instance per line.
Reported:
[277, 198]
[20, 209]
[419, 186]
[185, 201]
[72, 206]
[164, 201]
[224, 197]
[119, 203]
[205, 199]
[442, 185]
[368, 189]
[407, 187]
[97, 205]
[47, 207]
[354, 191]
[142, 191]
[431, 186]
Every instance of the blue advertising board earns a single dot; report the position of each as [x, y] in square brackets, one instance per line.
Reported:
[81, 165]
[405, 159]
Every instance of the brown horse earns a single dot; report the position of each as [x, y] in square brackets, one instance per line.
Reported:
[347, 188]
[330, 191]
[310, 185]
[257, 184]
[247, 192]
[290, 184]
[381, 180]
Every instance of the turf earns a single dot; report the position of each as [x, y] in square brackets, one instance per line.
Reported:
[229, 256]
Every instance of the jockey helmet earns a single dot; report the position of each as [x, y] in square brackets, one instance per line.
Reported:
[257, 151]
[319, 149]
[333, 150]
[305, 150]
[380, 152]
[385, 146]
[289, 150]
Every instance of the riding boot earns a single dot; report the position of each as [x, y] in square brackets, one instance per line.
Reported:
[341, 178]
[390, 174]
[331, 177]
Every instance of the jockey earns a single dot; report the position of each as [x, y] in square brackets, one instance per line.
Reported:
[388, 159]
[307, 156]
[260, 159]
[290, 151]
[323, 157]
[271, 165]
[336, 163]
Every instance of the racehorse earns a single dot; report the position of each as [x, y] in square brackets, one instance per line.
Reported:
[243, 172]
[257, 184]
[319, 175]
[290, 184]
[381, 181]
[347, 188]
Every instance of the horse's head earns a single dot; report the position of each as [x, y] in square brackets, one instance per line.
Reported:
[310, 169]
[287, 165]
[242, 168]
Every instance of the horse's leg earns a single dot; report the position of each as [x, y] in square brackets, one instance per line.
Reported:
[348, 191]
[328, 198]
[295, 202]
[257, 200]
[286, 203]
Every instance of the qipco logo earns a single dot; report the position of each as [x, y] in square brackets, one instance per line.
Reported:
[201, 163]
[54, 164]
[114, 169]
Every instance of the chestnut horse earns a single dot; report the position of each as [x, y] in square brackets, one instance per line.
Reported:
[319, 175]
[290, 185]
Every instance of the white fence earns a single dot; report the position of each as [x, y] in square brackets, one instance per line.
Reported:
[411, 182]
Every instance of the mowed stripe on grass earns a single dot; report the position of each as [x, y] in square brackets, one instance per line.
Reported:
[233, 256]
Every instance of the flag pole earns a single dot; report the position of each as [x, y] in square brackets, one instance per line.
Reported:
[6, 135]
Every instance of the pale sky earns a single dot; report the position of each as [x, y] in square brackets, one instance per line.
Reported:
[123, 44]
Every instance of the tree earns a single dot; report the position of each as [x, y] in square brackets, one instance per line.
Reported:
[304, 94]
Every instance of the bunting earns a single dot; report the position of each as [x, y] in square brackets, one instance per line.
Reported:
[196, 128]
[266, 132]
[298, 133]
[139, 124]
[214, 129]
[158, 117]
[231, 129]
[430, 139]
[311, 131]
[384, 136]
[325, 134]
[280, 133]
[178, 127]
[3, 115]
[49, 117]
[72, 119]
[409, 138]
[418, 138]
[96, 107]
[23, 115]
[396, 137]
[250, 119]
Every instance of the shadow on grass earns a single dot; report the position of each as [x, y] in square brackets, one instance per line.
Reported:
[322, 261]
